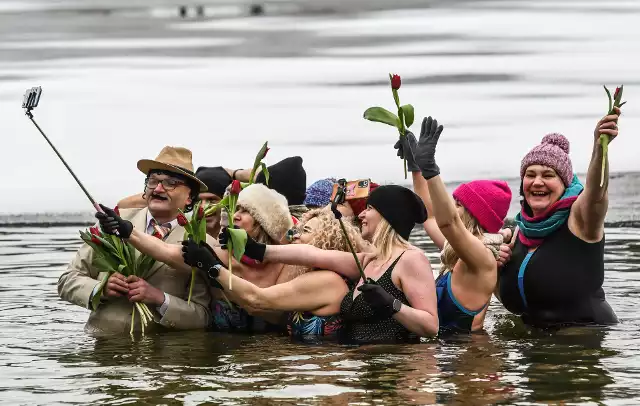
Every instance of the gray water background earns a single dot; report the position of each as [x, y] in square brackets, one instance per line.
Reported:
[122, 79]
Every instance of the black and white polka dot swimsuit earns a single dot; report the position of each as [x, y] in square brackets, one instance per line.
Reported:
[362, 325]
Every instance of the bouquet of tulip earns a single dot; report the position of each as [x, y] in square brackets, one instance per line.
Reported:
[237, 237]
[112, 254]
[404, 118]
[604, 138]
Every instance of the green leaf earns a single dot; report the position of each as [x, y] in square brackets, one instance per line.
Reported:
[266, 172]
[408, 111]
[238, 238]
[382, 115]
[103, 264]
[95, 300]
[256, 162]
[609, 96]
[202, 233]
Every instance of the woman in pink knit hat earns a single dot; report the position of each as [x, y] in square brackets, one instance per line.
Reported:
[466, 230]
[555, 274]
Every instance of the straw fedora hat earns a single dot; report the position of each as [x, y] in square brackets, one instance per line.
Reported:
[172, 159]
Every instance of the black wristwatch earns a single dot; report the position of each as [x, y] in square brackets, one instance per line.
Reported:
[396, 306]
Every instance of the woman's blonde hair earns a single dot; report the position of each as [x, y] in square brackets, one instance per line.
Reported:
[448, 256]
[328, 235]
[384, 239]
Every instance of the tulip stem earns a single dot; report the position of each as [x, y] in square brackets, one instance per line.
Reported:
[193, 279]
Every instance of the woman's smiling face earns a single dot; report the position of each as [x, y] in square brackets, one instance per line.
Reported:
[542, 187]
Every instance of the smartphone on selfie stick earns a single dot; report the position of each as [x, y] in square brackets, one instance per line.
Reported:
[30, 102]
[339, 196]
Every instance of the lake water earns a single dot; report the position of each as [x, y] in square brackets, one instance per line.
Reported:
[122, 79]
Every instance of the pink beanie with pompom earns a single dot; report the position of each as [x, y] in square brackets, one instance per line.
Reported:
[553, 152]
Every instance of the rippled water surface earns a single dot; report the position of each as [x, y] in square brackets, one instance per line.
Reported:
[46, 357]
[123, 78]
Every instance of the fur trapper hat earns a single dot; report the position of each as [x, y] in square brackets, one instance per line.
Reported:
[268, 208]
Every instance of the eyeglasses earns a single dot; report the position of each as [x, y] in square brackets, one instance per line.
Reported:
[167, 184]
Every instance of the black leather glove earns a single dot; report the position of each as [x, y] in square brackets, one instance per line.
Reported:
[406, 147]
[201, 256]
[378, 298]
[426, 150]
[111, 223]
[252, 249]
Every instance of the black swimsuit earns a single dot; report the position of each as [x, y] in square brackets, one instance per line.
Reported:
[361, 324]
[560, 282]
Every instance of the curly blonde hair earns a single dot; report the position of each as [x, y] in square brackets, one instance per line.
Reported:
[328, 235]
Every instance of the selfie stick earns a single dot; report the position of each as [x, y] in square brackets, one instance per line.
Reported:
[30, 102]
[339, 199]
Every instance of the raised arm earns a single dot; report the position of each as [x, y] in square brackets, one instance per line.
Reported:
[589, 210]
[467, 246]
[421, 188]
[407, 146]
[319, 292]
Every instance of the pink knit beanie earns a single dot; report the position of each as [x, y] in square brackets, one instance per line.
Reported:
[553, 152]
[487, 200]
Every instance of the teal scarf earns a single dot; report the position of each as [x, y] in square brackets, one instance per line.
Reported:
[533, 230]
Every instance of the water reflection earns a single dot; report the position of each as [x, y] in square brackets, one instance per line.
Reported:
[566, 365]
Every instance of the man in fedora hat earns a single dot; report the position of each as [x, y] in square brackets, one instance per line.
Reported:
[170, 186]
[217, 180]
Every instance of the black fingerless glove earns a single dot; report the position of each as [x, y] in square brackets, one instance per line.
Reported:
[112, 223]
[201, 256]
[252, 249]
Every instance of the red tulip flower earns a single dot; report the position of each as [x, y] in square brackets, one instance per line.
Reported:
[200, 214]
[96, 232]
[396, 82]
[616, 93]
[236, 187]
[182, 220]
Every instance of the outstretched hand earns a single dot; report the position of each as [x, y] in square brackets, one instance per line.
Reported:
[252, 249]
[426, 149]
[200, 256]
[112, 223]
[406, 147]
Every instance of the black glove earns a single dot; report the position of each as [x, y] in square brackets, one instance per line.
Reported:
[426, 150]
[252, 249]
[201, 256]
[378, 298]
[111, 223]
[406, 146]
